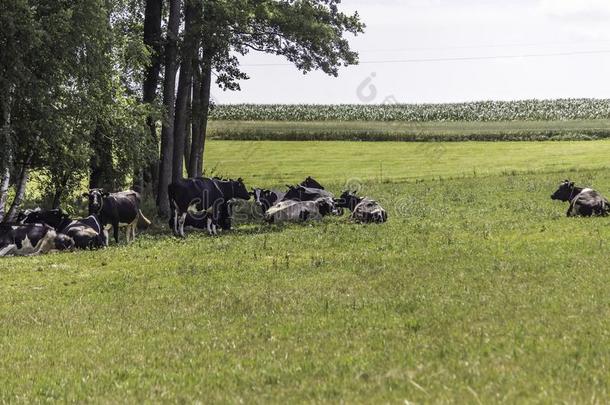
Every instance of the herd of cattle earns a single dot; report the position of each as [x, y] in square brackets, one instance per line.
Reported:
[204, 203]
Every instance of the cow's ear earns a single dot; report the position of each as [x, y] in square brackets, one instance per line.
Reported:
[240, 180]
[571, 184]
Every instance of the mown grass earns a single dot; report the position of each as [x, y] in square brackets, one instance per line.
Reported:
[477, 289]
[279, 163]
[410, 131]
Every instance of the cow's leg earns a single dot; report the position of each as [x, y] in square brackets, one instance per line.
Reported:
[134, 227]
[176, 222]
[115, 230]
[5, 251]
[128, 233]
[182, 221]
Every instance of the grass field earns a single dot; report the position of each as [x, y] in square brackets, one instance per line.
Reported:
[410, 131]
[478, 290]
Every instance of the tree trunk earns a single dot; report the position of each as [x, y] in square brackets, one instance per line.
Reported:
[169, 87]
[147, 178]
[5, 153]
[206, 83]
[201, 107]
[196, 120]
[189, 52]
[20, 187]
[101, 163]
[187, 128]
[4, 186]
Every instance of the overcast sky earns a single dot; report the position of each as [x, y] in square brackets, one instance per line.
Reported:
[416, 51]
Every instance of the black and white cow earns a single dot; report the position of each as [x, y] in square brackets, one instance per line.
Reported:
[584, 202]
[204, 198]
[266, 199]
[301, 193]
[87, 233]
[116, 210]
[301, 211]
[31, 239]
[364, 209]
[310, 182]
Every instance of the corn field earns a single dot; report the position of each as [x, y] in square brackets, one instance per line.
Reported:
[485, 111]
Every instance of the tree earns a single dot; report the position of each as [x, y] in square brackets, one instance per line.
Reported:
[309, 33]
[169, 87]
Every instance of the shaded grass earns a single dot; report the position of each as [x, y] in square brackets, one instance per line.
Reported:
[478, 288]
[410, 131]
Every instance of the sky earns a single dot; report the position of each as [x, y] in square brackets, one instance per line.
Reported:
[433, 51]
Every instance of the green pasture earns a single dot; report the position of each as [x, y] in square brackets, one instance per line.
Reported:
[477, 290]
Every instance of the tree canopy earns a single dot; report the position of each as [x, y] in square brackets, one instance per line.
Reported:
[87, 86]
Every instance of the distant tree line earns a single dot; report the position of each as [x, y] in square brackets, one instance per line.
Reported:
[114, 92]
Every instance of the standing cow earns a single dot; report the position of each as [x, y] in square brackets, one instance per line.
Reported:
[584, 202]
[203, 198]
[117, 210]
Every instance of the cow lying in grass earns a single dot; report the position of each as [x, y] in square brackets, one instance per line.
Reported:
[31, 239]
[584, 202]
[301, 211]
[87, 233]
[364, 209]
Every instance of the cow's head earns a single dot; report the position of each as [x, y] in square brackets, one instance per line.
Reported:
[239, 189]
[64, 242]
[564, 192]
[348, 199]
[326, 206]
[54, 218]
[96, 199]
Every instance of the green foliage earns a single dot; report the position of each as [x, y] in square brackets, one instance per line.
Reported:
[477, 289]
[526, 110]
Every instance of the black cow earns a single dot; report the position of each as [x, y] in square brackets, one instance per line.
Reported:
[364, 209]
[117, 210]
[266, 199]
[203, 198]
[584, 202]
[31, 239]
[310, 182]
[301, 193]
[87, 233]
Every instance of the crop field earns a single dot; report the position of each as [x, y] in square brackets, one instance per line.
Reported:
[477, 290]
[534, 120]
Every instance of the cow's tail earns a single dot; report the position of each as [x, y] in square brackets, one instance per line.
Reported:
[143, 219]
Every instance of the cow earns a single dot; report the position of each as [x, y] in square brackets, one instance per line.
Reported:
[31, 239]
[364, 209]
[266, 199]
[300, 211]
[116, 210]
[204, 198]
[310, 182]
[200, 221]
[302, 193]
[87, 233]
[584, 202]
